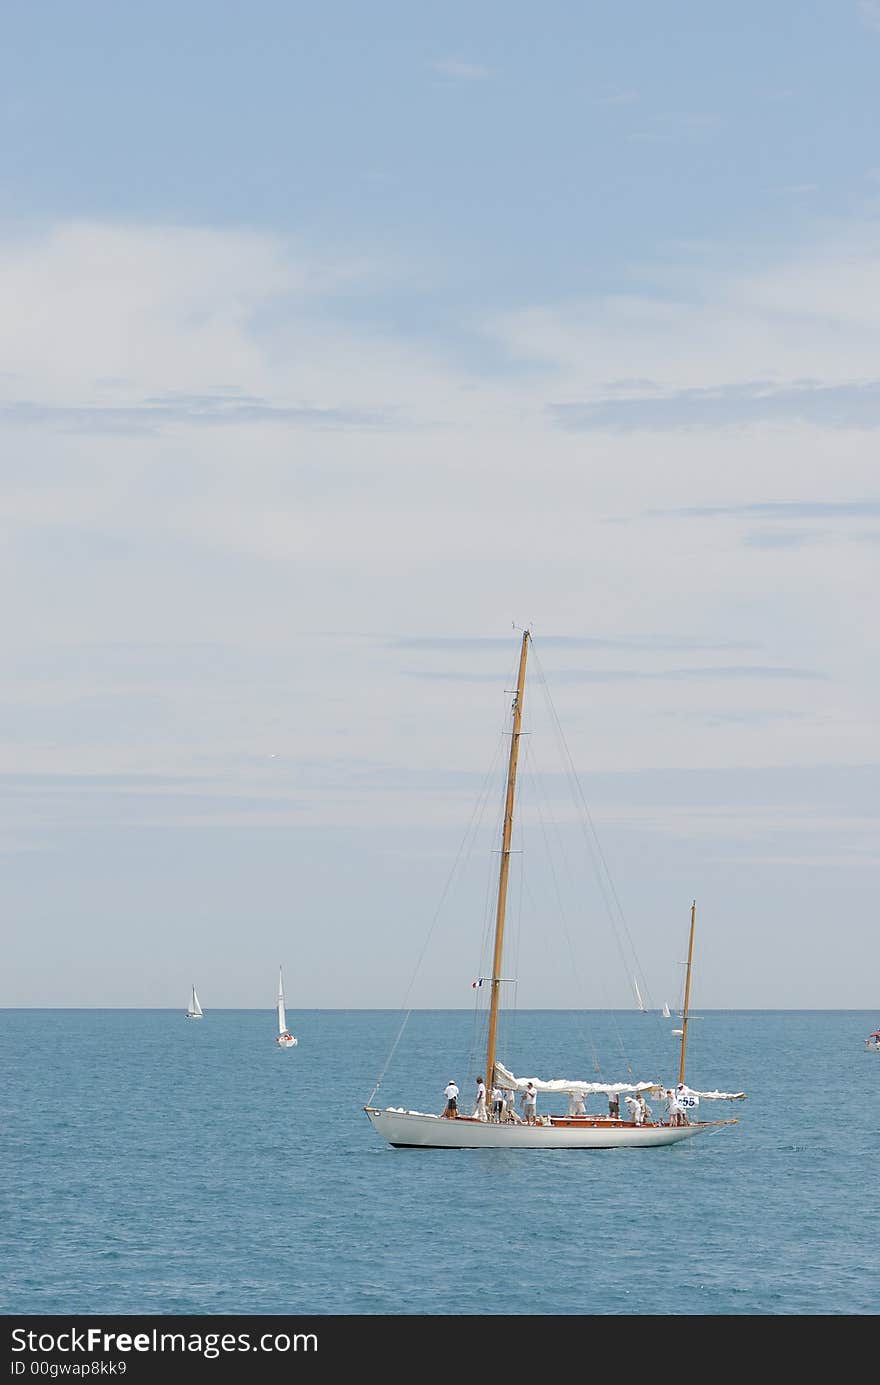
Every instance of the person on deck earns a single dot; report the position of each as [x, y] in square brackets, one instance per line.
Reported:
[645, 1112]
[451, 1095]
[510, 1107]
[614, 1105]
[530, 1104]
[497, 1104]
[480, 1106]
[576, 1104]
[674, 1109]
[685, 1098]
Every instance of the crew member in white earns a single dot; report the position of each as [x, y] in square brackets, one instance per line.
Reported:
[480, 1107]
[451, 1095]
[576, 1104]
[530, 1103]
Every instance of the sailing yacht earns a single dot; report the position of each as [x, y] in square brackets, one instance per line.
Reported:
[666, 1012]
[285, 1038]
[872, 1043]
[194, 1010]
[403, 1127]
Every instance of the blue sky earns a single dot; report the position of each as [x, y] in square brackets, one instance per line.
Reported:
[334, 343]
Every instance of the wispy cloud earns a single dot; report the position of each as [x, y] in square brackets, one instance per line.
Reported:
[784, 509]
[616, 97]
[154, 414]
[643, 643]
[783, 538]
[677, 126]
[462, 71]
[623, 675]
[649, 137]
[829, 406]
[175, 318]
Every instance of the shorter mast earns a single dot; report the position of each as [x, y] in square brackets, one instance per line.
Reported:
[505, 862]
[687, 994]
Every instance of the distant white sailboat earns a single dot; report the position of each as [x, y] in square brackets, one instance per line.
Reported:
[194, 1009]
[666, 1012]
[285, 1038]
[641, 1004]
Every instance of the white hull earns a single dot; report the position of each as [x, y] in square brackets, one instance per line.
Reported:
[286, 1041]
[412, 1129]
[191, 1016]
[872, 1045]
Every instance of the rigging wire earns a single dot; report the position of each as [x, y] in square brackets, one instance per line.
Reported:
[461, 855]
[544, 814]
[602, 871]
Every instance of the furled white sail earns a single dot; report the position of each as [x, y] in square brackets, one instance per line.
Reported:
[719, 1096]
[504, 1078]
[566, 1085]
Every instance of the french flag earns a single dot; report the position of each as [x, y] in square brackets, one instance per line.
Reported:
[475, 985]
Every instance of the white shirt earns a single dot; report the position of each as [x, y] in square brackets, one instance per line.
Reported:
[530, 1096]
[481, 1091]
[496, 1094]
[451, 1091]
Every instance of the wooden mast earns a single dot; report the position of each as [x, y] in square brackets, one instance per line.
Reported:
[687, 994]
[505, 863]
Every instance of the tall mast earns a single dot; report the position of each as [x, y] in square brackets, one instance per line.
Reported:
[687, 994]
[505, 862]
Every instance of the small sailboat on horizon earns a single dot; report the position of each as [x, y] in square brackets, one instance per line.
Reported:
[194, 1010]
[285, 1038]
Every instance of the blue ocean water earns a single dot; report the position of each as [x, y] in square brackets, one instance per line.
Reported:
[154, 1165]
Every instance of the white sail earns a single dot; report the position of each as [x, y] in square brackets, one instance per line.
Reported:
[285, 1039]
[566, 1085]
[194, 1010]
[667, 1014]
[282, 1019]
[639, 1001]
